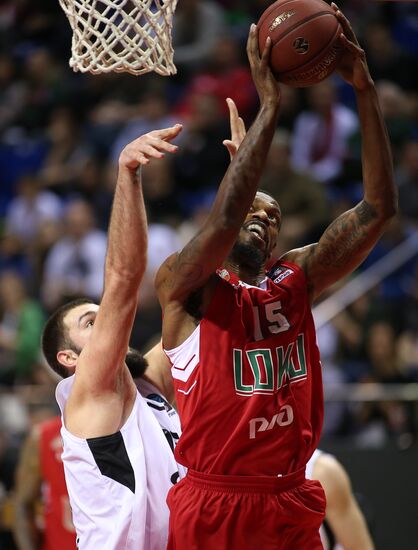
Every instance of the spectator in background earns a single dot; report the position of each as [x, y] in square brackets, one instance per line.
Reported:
[352, 325]
[385, 419]
[106, 119]
[201, 160]
[40, 22]
[408, 340]
[396, 113]
[407, 178]
[290, 106]
[20, 330]
[199, 212]
[12, 91]
[30, 208]
[49, 232]
[386, 59]
[333, 373]
[8, 17]
[14, 257]
[67, 154]
[150, 112]
[40, 480]
[223, 75]
[301, 196]
[91, 186]
[74, 265]
[321, 133]
[197, 24]
[160, 193]
[45, 86]
[393, 294]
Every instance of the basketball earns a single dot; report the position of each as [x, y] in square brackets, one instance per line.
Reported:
[305, 45]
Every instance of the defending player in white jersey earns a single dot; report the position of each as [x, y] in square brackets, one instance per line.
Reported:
[343, 515]
[118, 461]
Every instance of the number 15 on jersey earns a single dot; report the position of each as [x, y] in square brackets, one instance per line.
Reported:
[268, 320]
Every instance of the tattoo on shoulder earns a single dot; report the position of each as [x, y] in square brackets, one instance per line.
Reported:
[186, 265]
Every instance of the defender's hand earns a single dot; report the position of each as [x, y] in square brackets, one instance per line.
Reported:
[352, 65]
[238, 130]
[267, 86]
[152, 145]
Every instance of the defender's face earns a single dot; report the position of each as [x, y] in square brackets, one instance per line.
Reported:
[262, 224]
[79, 322]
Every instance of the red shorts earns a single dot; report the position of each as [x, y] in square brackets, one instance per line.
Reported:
[215, 512]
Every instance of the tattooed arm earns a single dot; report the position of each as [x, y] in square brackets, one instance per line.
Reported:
[189, 270]
[349, 239]
[27, 494]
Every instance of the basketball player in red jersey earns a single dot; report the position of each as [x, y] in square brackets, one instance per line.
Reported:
[41, 472]
[242, 344]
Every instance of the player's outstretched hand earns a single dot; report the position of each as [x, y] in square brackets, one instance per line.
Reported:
[152, 145]
[238, 130]
[352, 65]
[267, 86]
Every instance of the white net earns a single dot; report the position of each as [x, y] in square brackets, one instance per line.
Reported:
[131, 36]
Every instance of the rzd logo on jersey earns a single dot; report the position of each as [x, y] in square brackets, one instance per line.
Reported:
[283, 418]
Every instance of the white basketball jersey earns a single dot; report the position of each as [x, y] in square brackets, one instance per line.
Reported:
[118, 484]
[326, 543]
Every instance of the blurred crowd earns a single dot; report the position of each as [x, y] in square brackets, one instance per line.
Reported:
[60, 137]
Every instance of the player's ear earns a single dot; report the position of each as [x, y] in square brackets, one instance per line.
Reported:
[67, 358]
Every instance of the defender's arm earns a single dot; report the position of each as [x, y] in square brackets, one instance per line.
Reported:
[105, 350]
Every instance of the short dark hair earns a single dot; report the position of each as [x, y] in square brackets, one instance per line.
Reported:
[267, 193]
[55, 335]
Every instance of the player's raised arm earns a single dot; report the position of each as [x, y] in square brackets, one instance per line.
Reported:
[190, 269]
[349, 239]
[105, 350]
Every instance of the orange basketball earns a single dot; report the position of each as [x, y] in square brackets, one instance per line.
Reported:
[305, 41]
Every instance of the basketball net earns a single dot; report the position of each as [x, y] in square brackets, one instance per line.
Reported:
[131, 36]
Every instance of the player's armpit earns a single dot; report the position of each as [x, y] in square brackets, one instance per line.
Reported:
[159, 371]
[343, 246]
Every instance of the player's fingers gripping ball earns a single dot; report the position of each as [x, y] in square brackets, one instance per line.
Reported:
[305, 36]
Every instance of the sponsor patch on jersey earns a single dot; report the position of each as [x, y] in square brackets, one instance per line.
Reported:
[279, 274]
[223, 274]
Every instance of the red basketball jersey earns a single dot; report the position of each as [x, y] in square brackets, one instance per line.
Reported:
[59, 530]
[248, 380]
